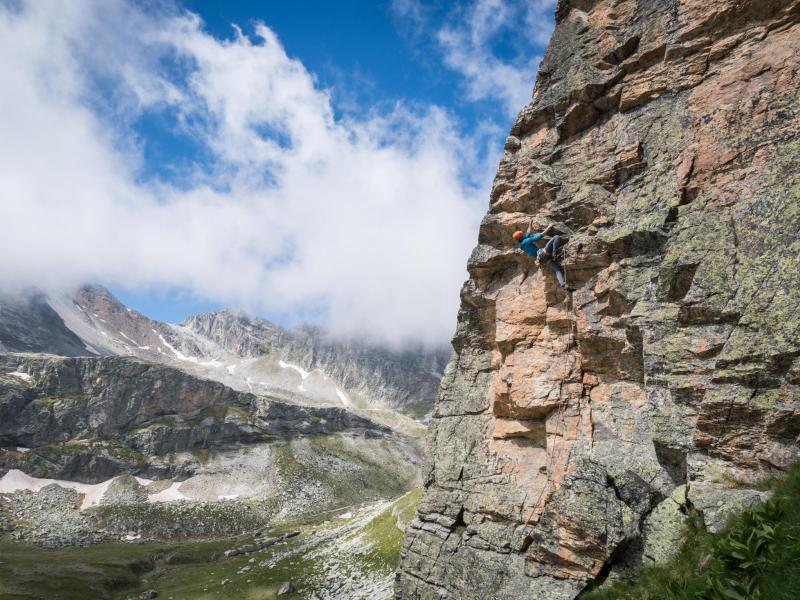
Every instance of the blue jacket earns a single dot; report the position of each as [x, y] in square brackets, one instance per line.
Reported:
[528, 244]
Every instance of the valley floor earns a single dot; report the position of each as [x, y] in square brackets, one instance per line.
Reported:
[351, 556]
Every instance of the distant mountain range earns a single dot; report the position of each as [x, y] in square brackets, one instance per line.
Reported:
[245, 353]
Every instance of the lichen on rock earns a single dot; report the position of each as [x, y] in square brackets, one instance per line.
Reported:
[662, 139]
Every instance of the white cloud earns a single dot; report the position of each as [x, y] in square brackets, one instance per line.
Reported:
[540, 20]
[468, 42]
[368, 222]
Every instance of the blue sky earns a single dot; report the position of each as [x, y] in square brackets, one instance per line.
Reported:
[305, 161]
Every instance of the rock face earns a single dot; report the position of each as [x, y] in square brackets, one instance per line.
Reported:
[88, 419]
[574, 431]
[29, 324]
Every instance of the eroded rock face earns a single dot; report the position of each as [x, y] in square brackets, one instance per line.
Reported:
[572, 431]
[89, 419]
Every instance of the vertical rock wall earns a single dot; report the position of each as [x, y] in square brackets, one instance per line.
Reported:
[573, 432]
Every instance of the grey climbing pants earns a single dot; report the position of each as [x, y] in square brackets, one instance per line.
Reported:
[551, 248]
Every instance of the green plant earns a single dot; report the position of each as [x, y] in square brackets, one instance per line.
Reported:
[755, 557]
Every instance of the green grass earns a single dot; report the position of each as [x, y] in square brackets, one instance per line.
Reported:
[385, 536]
[116, 570]
[756, 557]
[71, 573]
[196, 569]
[51, 400]
[407, 506]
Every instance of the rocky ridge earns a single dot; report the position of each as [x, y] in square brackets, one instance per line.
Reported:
[246, 353]
[406, 379]
[29, 324]
[137, 412]
[574, 432]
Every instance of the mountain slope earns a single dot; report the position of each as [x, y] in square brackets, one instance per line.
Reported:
[399, 378]
[134, 437]
[248, 354]
[29, 324]
[144, 410]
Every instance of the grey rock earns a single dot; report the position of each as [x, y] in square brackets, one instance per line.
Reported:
[718, 503]
[572, 430]
[286, 588]
[29, 324]
[147, 410]
[405, 379]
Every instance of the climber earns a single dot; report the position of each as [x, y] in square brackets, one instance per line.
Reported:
[527, 243]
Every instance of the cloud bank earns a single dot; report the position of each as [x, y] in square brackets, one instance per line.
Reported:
[363, 224]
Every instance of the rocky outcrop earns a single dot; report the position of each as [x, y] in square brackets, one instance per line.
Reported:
[573, 431]
[88, 419]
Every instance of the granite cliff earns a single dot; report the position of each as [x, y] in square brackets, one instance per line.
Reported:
[574, 432]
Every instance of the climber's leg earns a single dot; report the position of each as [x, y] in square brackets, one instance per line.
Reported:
[562, 280]
[553, 245]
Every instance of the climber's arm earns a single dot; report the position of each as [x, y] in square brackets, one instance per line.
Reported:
[537, 236]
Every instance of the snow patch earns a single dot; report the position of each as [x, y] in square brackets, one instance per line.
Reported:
[231, 369]
[228, 497]
[21, 375]
[178, 354]
[15, 480]
[301, 370]
[211, 363]
[343, 397]
[168, 495]
[122, 333]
